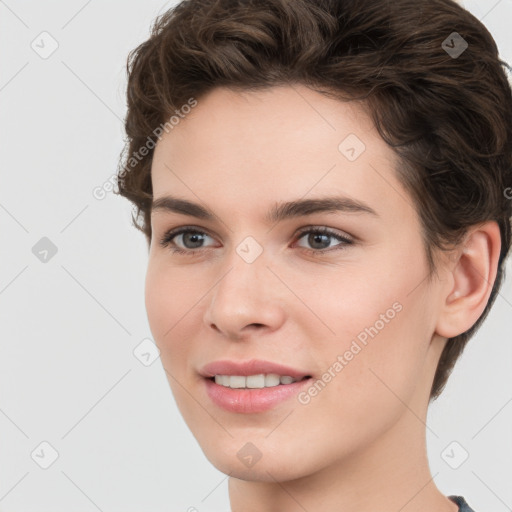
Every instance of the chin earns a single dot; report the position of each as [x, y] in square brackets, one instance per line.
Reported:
[245, 460]
[263, 471]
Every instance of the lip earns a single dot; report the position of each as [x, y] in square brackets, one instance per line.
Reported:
[248, 401]
[252, 367]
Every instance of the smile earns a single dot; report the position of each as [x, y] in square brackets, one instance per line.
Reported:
[246, 400]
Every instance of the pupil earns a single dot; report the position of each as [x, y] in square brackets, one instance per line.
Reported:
[193, 236]
[314, 237]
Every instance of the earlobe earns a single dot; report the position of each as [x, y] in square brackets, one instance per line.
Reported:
[472, 278]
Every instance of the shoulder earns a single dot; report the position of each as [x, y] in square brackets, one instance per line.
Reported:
[462, 504]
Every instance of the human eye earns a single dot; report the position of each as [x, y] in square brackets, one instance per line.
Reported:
[320, 236]
[182, 237]
[188, 240]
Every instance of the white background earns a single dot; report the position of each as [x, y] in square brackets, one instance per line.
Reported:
[68, 327]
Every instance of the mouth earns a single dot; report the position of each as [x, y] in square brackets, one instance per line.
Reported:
[252, 386]
[243, 399]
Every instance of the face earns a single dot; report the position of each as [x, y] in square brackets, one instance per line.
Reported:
[336, 292]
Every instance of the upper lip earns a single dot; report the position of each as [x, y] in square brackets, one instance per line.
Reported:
[252, 367]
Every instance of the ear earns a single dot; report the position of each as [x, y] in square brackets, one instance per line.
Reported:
[471, 278]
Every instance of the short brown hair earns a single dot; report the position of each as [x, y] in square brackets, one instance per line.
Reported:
[448, 118]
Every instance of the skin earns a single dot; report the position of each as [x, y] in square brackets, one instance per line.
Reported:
[359, 444]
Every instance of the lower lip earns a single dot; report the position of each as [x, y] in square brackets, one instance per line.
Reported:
[252, 400]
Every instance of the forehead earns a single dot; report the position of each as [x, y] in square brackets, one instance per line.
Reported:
[279, 143]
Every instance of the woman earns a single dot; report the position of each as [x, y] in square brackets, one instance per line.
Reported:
[322, 185]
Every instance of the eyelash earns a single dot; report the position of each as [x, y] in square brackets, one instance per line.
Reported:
[169, 235]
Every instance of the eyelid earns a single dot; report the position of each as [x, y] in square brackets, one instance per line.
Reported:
[324, 229]
[343, 239]
[174, 232]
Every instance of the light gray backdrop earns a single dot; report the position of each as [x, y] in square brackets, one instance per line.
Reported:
[74, 397]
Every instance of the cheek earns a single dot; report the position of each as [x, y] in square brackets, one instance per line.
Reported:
[380, 340]
[160, 304]
[169, 302]
[169, 305]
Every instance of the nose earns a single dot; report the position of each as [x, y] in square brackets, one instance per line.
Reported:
[247, 298]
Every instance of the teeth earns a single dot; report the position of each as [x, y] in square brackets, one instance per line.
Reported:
[272, 380]
[236, 382]
[253, 381]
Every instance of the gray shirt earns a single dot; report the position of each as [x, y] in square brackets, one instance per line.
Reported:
[461, 502]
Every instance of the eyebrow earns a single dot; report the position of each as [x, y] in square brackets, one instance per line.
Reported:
[279, 212]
